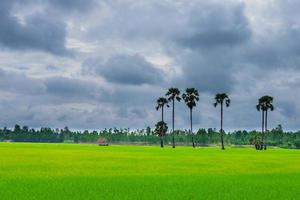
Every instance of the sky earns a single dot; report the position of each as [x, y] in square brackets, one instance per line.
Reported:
[94, 64]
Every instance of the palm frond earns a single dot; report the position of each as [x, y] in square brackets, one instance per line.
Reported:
[258, 107]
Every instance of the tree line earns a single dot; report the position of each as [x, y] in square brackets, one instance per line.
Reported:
[191, 97]
[202, 137]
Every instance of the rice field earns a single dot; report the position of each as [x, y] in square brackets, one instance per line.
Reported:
[85, 171]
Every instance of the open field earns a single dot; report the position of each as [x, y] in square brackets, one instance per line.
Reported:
[70, 171]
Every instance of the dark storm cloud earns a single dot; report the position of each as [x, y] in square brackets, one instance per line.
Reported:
[212, 32]
[62, 89]
[278, 50]
[126, 69]
[209, 71]
[77, 5]
[209, 81]
[72, 102]
[68, 87]
[215, 46]
[20, 83]
[277, 44]
[287, 108]
[214, 36]
[216, 26]
[65, 89]
[39, 31]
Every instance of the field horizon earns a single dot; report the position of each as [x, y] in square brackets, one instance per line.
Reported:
[86, 171]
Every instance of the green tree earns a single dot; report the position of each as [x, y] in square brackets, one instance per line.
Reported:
[148, 131]
[172, 95]
[17, 128]
[222, 98]
[160, 129]
[190, 97]
[161, 103]
[265, 103]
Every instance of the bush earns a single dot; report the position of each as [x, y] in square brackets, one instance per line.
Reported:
[297, 143]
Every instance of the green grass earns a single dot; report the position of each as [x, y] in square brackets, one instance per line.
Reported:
[70, 171]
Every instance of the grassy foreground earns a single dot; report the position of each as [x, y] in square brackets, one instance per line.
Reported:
[70, 171]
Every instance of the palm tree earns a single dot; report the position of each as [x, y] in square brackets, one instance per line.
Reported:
[222, 98]
[172, 95]
[161, 129]
[191, 96]
[265, 103]
[161, 103]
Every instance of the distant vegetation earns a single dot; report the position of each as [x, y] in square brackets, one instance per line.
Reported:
[203, 137]
[161, 135]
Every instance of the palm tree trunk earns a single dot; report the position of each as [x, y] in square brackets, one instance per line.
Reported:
[222, 138]
[262, 129]
[161, 141]
[191, 120]
[173, 139]
[162, 113]
[266, 129]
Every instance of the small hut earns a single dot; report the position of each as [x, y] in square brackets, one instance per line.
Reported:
[102, 142]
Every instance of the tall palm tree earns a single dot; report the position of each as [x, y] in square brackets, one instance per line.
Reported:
[191, 96]
[161, 129]
[172, 95]
[260, 107]
[265, 103]
[222, 98]
[161, 103]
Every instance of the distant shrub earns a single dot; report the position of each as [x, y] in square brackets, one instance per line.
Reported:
[297, 144]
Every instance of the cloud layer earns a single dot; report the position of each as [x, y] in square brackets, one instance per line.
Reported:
[96, 64]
